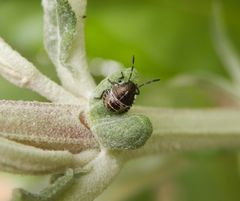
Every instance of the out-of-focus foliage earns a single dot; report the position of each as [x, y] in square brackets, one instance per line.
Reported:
[168, 38]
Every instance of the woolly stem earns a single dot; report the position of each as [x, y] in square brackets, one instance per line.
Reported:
[186, 130]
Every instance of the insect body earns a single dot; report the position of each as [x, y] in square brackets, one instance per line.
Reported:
[120, 97]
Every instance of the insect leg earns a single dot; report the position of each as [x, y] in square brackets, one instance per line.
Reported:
[100, 97]
[122, 76]
[112, 82]
[137, 91]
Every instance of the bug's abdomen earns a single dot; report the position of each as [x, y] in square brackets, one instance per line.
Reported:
[114, 103]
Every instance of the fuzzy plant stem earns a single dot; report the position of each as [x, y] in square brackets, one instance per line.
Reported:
[186, 130]
[22, 73]
[104, 169]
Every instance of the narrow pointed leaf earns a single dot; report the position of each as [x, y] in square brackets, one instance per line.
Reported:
[23, 73]
[64, 42]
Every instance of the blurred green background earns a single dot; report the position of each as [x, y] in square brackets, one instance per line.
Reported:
[169, 38]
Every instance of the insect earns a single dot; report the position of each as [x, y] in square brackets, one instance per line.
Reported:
[120, 97]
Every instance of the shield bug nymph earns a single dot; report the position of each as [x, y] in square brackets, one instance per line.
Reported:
[120, 97]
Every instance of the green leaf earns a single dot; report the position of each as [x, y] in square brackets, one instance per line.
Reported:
[67, 28]
[60, 29]
[50, 193]
[64, 42]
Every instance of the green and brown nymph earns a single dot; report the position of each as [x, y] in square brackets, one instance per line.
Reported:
[120, 97]
[109, 122]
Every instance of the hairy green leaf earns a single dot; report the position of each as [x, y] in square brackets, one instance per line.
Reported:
[64, 42]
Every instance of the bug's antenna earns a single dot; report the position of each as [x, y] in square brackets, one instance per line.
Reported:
[148, 82]
[133, 60]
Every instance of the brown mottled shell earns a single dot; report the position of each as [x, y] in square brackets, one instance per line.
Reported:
[120, 97]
